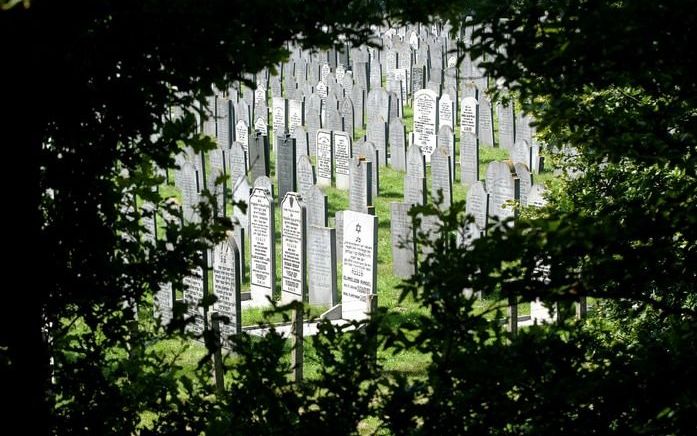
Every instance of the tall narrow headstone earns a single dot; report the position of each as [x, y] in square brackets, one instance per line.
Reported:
[293, 248]
[321, 266]
[377, 134]
[360, 191]
[342, 158]
[425, 121]
[262, 237]
[446, 138]
[324, 157]
[285, 165]
[359, 272]
[442, 182]
[485, 127]
[397, 144]
[226, 288]
[305, 174]
[373, 155]
[506, 125]
[469, 158]
[403, 248]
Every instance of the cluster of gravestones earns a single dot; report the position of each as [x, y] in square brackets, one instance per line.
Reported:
[319, 101]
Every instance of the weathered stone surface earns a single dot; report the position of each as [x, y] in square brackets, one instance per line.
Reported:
[441, 178]
[506, 125]
[226, 288]
[525, 178]
[536, 196]
[416, 162]
[446, 138]
[397, 144]
[503, 188]
[305, 174]
[342, 157]
[262, 237]
[372, 154]
[360, 191]
[325, 157]
[403, 248]
[485, 128]
[321, 266]
[425, 121]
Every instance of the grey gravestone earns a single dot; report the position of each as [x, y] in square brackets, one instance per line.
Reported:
[478, 205]
[262, 237]
[189, 189]
[164, 303]
[378, 104]
[506, 125]
[397, 142]
[321, 266]
[446, 138]
[264, 183]
[377, 134]
[242, 136]
[194, 293]
[521, 153]
[360, 74]
[358, 98]
[359, 272]
[395, 106]
[342, 157]
[425, 121]
[418, 76]
[434, 86]
[503, 188]
[446, 111]
[313, 122]
[360, 191]
[259, 156]
[525, 178]
[469, 158]
[305, 174]
[375, 75]
[523, 130]
[372, 154]
[237, 161]
[226, 288]
[296, 114]
[403, 248]
[441, 178]
[285, 165]
[223, 123]
[293, 249]
[302, 147]
[280, 115]
[240, 196]
[325, 159]
[485, 126]
[216, 163]
[414, 190]
[347, 112]
[334, 121]
[416, 163]
[536, 196]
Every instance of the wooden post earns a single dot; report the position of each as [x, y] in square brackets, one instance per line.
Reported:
[297, 341]
[513, 315]
[218, 370]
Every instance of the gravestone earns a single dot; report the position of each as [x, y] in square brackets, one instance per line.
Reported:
[397, 144]
[264, 183]
[395, 106]
[416, 162]
[469, 158]
[347, 112]
[216, 163]
[503, 188]
[468, 115]
[293, 248]
[226, 288]
[360, 190]
[321, 266]
[441, 177]
[279, 107]
[262, 237]
[240, 196]
[373, 155]
[324, 157]
[414, 190]
[164, 303]
[446, 111]
[296, 114]
[375, 75]
[242, 136]
[523, 174]
[189, 188]
[446, 138]
[485, 127]
[359, 272]
[223, 122]
[342, 157]
[377, 134]
[302, 146]
[477, 205]
[313, 122]
[194, 293]
[305, 174]
[358, 97]
[536, 196]
[258, 156]
[418, 78]
[425, 121]
[285, 165]
[506, 125]
[521, 153]
[333, 119]
[403, 248]
[237, 161]
[316, 206]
